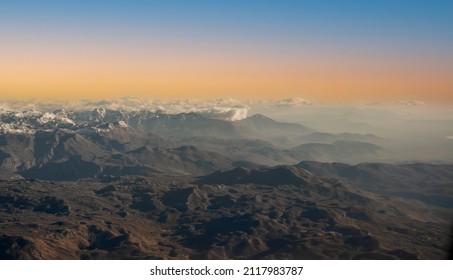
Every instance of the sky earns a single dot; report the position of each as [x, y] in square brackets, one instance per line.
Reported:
[332, 51]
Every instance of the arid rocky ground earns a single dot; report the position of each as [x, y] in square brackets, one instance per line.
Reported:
[278, 213]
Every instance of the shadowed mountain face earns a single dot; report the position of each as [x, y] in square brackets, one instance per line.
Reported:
[67, 155]
[337, 151]
[107, 184]
[427, 183]
[282, 175]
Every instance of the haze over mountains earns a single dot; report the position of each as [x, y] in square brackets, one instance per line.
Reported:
[223, 179]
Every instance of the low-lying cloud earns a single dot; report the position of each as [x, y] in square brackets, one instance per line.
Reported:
[225, 109]
[290, 102]
[410, 103]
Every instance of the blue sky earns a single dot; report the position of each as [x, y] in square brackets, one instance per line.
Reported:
[381, 19]
[347, 29]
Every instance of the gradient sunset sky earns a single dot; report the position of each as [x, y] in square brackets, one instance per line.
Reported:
[321, 50]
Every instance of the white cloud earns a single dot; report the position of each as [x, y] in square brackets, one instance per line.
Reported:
[225, 113]
[226, 109]
[410, 103]
[291, 102]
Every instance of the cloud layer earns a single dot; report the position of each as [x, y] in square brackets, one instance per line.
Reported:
[225, 109]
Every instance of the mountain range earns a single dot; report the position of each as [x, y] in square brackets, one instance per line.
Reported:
[113, 184]
[32, 142]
